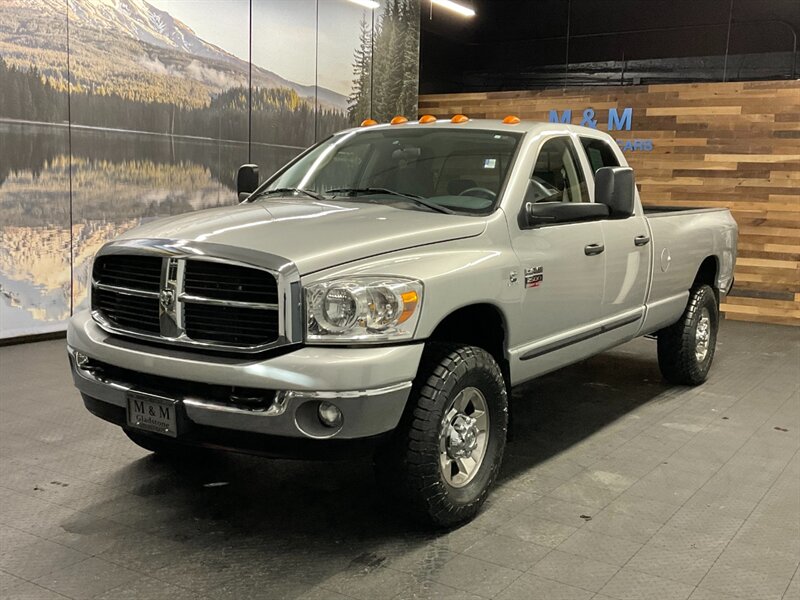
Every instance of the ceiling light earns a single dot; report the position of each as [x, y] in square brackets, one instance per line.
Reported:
[366, 3]
[464, 11]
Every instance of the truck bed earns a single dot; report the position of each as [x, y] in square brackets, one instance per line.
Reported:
[661, 211]
[680, 243]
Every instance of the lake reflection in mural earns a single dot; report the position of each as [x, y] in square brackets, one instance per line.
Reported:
[34, 229]
[119, 180]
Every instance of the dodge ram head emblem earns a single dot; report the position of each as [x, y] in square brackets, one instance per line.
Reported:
[169, 309]
[167, 298]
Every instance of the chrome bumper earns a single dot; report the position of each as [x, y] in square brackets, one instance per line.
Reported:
[370, 386]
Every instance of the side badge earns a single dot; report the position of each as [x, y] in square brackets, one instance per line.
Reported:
[533, 277]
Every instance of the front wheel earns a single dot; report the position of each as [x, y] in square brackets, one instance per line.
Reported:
[686, 348]
[448, 448]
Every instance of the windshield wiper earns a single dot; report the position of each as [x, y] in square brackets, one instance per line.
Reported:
[377, 190]
[288, 190]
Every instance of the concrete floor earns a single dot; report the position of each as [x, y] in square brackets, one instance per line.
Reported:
[615, 486]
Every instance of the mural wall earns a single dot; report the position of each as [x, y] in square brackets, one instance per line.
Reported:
[114, 112]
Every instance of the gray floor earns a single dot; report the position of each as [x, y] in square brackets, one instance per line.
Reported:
[615, 486]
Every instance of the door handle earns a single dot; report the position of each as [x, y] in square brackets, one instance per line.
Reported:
[641, 240]
[593, 249]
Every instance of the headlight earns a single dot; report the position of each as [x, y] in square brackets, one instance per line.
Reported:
[370, 309]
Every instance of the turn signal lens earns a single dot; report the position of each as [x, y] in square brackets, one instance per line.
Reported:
[459, 119]
[511, 120]
[368, 122]
[398, 120]
[410, 300]
[427, 119]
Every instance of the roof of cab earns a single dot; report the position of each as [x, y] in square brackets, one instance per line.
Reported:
[524, 126]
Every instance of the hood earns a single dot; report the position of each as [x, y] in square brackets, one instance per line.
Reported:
[313, 234]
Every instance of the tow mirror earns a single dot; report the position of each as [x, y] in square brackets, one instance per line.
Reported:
[615, 187]
[549, 213]
[246, 180]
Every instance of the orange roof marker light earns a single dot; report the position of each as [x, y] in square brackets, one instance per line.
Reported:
[459, 119]
[511, 120]
[368, 122]
[427, 119]
[398, 120]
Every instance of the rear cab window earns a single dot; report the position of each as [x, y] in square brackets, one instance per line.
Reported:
[599, 153]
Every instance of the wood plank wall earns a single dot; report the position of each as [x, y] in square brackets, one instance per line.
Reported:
[714, 144]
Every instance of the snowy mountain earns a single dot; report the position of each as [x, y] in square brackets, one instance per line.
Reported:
[144, 22]
[134, 35]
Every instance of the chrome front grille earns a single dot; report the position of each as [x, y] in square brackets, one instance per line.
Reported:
[128, 311]
[191, 301]
[229, 282]
[236, 325]
[125, 290]
[137, 272]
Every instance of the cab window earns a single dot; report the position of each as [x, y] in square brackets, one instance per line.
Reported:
[344, 167]
[463, 170]
[557, 175]
[599, 154]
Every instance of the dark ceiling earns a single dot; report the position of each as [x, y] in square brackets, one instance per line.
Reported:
[509, 37]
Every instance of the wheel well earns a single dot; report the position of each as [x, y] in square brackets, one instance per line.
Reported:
[707, 274]
[479, 325]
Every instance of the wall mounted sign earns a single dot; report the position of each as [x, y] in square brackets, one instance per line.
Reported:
[615, 121]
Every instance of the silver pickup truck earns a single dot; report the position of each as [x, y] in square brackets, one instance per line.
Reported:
[382, 293]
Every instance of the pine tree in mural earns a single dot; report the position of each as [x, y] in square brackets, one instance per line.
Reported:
[359, 104]
[394, 65]
[409, 93]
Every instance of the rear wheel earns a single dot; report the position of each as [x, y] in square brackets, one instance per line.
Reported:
[447, 450]
[686, 348]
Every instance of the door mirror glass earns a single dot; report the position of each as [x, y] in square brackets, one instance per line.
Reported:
[615, 188]
[246, 180]
[549, 213]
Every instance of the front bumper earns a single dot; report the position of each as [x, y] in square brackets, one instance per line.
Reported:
[369, 385]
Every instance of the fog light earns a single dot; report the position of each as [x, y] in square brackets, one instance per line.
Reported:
[81, 360]
[329, 414]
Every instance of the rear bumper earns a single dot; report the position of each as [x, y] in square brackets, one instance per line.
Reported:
[370, 386]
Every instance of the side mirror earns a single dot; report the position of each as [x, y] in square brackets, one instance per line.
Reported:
[615, 187]
[246, 180]
[549, 213]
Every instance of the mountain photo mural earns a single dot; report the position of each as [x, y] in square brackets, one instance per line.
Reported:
[114, 112]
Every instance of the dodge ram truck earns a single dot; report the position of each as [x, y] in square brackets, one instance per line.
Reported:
[382, 293]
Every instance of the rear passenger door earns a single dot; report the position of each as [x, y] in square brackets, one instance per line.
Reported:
[627, 241]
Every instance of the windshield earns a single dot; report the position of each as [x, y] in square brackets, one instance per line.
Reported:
[420, 168]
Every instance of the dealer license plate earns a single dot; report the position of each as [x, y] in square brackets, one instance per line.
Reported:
[152, 413]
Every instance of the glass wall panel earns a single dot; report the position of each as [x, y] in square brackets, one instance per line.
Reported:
[159, 115]
[284, 38]
[34, 169]
[395, 82]
[344, 66]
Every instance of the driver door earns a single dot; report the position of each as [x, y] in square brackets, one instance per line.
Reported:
[561, 266]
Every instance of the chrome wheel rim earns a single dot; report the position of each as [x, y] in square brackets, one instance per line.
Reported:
[463, 437]
[702, 336]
